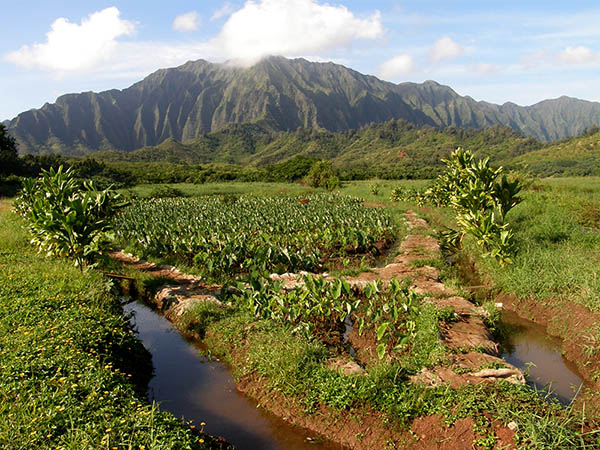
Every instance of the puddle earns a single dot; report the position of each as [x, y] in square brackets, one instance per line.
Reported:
[191, 386]
[528, 342]
[388, 254]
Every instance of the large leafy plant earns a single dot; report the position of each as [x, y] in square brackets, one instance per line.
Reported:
[67, 217]
[481, 197]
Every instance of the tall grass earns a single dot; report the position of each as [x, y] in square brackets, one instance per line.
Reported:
[558, 243]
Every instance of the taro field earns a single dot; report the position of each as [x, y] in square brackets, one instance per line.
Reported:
[227, 236]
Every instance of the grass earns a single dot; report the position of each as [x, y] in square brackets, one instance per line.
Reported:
[72, 374]
[232, 188]
[558, 244]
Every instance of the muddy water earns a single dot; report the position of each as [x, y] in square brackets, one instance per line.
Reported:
[191, 386]
[528, 342]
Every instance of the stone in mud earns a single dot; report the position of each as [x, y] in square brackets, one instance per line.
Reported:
[174, 300]
[345, 366]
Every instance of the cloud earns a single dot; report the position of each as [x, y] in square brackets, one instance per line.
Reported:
[576, 55]
[292, 28]
[223, 11]
[570, 56]
[72, 47]
[186, 22]
[398, 65]
[445, 48]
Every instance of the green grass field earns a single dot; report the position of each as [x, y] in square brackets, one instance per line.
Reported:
[72, 374]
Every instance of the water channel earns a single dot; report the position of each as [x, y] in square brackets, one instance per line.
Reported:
[202, 390]
[199, 389]
[528, 342]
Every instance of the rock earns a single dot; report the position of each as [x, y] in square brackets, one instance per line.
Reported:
[176, 300]
[512, 426]
[512, 375]
[468, 333]
[345, 366]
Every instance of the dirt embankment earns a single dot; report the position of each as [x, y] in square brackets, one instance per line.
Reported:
[575, 325]
[364, 428]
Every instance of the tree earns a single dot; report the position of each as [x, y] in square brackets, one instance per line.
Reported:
[9, 158]
[321, 174]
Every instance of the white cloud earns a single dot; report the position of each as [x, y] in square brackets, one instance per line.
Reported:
[445, 48]
[292, 28]
[72, 47]
[576, 55]
[223, 11]
[398, 65]
[186, 22]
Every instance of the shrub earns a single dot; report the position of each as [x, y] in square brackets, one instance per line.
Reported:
[67, 217]
[321, 174]
[481, 197]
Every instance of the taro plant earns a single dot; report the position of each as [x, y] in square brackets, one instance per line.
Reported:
[375, 188]
[391, 314]
[275, 234]
[67, 217]
[319, 305]
[316, 306]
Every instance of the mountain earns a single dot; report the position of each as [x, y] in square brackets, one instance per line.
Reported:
[280, 94]
[395, 142]
[579, 156]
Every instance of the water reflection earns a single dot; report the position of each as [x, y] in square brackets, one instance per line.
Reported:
[191, 386]
[527, 342]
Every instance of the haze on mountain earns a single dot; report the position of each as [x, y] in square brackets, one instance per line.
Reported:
[278, 94]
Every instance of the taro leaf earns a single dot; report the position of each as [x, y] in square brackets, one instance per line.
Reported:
[337, 289]
[381, 350]
[381, 329]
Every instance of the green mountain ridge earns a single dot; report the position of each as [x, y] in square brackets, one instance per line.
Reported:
[278, 94]
[396, 143]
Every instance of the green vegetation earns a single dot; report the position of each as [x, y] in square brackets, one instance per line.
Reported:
[66, 217]
[321, 174]
[8, 152]
[72, 374]
[293, 360]
[228, 236]
[320, 307]
[576, 156]
[556, 233]
[220, 189]
[90, 391]
[393, 150]
[481, 199]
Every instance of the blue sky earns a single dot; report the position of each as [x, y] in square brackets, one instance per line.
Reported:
[518, 51]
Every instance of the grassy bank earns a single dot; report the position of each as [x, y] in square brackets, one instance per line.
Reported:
[558, 240]
[72, 374]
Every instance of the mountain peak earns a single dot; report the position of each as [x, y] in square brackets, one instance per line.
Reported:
[199, 97]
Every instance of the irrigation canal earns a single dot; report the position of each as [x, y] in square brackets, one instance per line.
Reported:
[202, 390]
